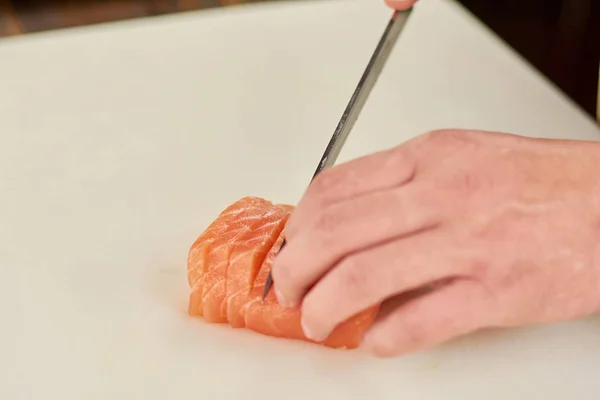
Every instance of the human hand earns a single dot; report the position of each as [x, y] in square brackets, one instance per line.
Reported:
[400, 4]
[498, 230]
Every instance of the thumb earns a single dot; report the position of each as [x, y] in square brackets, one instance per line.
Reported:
[400, 4]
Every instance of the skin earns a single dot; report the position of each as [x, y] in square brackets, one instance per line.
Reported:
[452, 232]
[400, 4]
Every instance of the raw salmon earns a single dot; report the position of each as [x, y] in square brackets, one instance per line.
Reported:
[249, 252]
[228, 266]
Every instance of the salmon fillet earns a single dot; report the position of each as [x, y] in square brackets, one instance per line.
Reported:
[228, 266]
[208, 257]
[198, 255]
[248, 255]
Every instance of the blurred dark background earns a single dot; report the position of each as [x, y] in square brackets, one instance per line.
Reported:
[561, 38]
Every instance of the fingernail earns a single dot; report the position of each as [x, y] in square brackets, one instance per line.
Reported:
[365, 343]
[306, 330]
[309, 334]
[280, 299]
[400, 3]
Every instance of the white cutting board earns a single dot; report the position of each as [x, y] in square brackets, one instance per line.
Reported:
[120, 142]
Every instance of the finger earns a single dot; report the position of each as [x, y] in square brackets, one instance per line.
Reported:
[375, 172]
[400, 4]
[347, 227]
[368, 278]
[447, 312]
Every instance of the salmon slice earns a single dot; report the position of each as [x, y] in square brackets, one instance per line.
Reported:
[238, 303]
[227, 270]
[197, 262]
[209, 256]
[247, 257]
[245, 227]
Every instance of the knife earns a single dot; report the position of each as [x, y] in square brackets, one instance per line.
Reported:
[357, 101]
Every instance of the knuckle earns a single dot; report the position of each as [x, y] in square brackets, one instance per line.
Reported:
[450, 139]
[328, 243]
[445, 135]
[466, 184]
[439, 135]
[328, 246]
[414, 331]
[403, 160]
[326, 223]
[354, 275]
[478, 268]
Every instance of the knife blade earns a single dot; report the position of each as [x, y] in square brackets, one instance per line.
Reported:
[357, 101]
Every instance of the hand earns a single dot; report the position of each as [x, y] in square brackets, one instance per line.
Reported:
[400, 4]
[482, 229]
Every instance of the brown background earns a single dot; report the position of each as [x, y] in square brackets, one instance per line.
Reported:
[559, 37]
